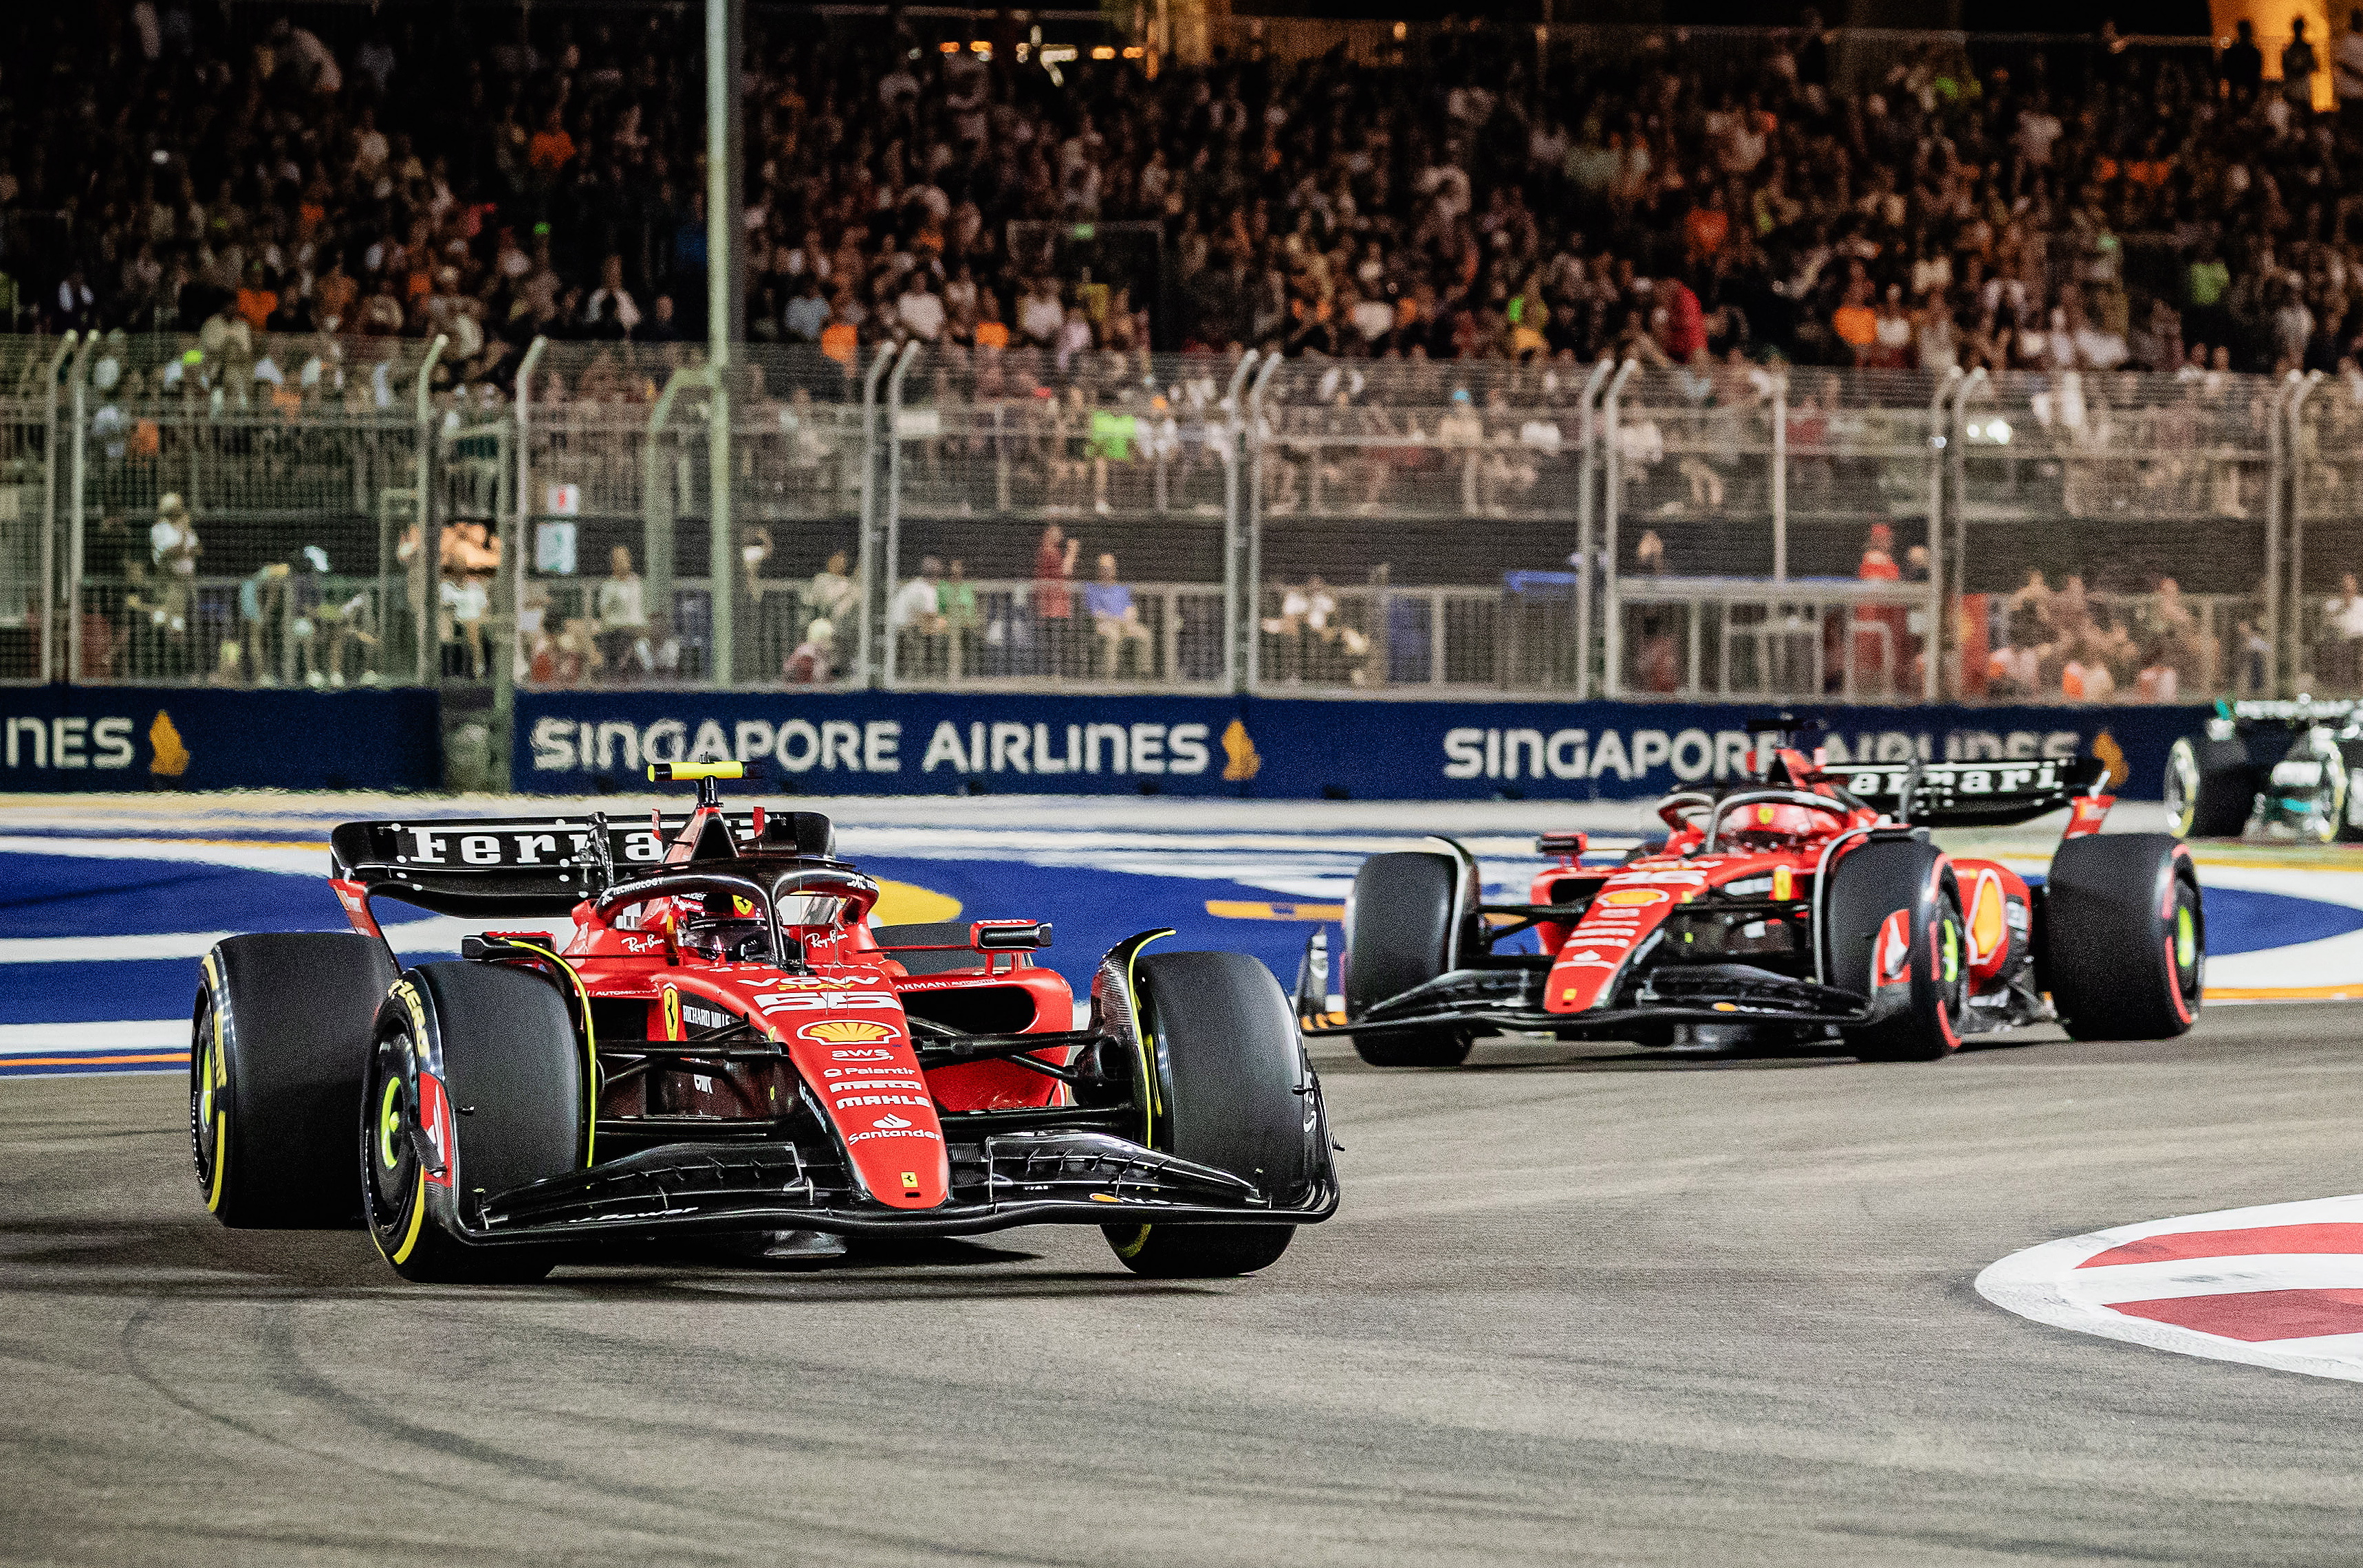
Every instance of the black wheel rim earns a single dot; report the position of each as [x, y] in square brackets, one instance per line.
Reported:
[2182, 788]
[386, 1152]
[207, 1112]
[2186, 937]
[1952, 966]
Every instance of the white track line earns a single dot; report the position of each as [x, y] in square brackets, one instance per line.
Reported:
[2050, 1285]
[59, 1039]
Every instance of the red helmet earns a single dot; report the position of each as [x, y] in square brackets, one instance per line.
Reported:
[1765, 824]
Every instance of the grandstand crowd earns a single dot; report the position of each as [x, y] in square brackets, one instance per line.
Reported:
[443, 168]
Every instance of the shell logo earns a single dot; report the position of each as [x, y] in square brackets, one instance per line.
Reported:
[847, 1031]
[1633, 898]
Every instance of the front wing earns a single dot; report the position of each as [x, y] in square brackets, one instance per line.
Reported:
[1503, 1001]
[1005, 1180]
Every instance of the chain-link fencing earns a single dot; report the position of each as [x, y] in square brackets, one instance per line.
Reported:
[326, 512]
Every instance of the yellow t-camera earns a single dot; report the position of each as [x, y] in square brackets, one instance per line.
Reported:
[686, 773]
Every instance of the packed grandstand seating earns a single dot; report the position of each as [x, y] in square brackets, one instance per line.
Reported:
[268, 210]
[446, 168]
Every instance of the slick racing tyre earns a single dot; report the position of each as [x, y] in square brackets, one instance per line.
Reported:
[1404, 926]
[2210, 787]
[2125, 937]
[475, 1086]
[282, 1039]
[1893, 930]
[1232, 1089]
[2307, 790]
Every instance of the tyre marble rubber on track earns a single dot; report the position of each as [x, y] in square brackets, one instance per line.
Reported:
[1582, 1306]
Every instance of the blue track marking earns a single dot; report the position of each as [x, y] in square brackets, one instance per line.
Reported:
[53, 896]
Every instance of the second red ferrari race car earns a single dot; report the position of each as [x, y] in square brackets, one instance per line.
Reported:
[1807, 906]
[726, 1044]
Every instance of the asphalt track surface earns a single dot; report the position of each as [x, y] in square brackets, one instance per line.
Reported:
[1581, 1306]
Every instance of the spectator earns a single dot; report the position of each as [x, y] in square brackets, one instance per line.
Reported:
[1054, 568]
[1117, 626]
[173, 551]
[2243, 63]
[831, 595]
[2297, 65]
[622, 609]
[813, 661]
[916, 615]
[469, 557]
[2342, 637]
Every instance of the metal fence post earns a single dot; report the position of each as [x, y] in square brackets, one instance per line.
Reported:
[1233, 532]
[2301, 659]
[1781, 475]
[1255, 433]
[1938, 460]
[2276, 481]
[1586, 483]
[656, 489]
[50, 502]
[78, 486]
[1958, 450]
[893, 530]
[1611, 674]
[429, 541]
[522, 408]
[864, 547]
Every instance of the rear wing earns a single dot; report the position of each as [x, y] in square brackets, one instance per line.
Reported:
[1972, 795]
[2302, 710]
[500, 867]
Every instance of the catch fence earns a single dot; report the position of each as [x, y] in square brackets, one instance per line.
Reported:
[329, 512]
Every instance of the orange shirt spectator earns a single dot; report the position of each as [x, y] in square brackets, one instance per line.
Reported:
[839, 339]
[552, 149]
[255, 306]
[1856, 324]
[990, 335]
[1706, 228]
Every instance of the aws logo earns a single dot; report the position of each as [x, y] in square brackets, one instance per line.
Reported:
[847, 1031]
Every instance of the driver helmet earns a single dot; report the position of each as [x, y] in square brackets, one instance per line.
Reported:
[726, 929]
[1766, 823]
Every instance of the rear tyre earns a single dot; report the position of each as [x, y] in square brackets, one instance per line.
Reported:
[2126, 936]
[476, 1067]
[1406, 924]
[1233, 1091]
[281, 1038]
[1892, 929]
[2210, 787]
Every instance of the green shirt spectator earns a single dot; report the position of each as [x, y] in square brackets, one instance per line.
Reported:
[2209, 278]
[1111, 435]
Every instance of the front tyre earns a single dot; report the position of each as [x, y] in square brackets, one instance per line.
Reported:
[476, 1085]
[2210, 787]
[1406, 924]
[1894, 933]
[281, 1037]
[1229, 1088]
[2126, 936]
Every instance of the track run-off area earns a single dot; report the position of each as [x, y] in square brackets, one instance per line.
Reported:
[1581, 1304]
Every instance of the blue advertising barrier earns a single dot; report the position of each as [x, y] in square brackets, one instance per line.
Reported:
[937, 743]
[116, 738]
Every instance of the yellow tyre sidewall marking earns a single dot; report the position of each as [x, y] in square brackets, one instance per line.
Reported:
[218, 1069]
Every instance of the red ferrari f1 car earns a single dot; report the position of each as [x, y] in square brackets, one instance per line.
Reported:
[1808, 906]
[724, 1044]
